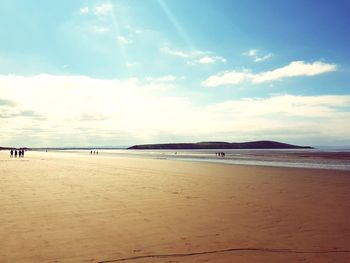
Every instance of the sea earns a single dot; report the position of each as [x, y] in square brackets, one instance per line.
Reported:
[333, 158]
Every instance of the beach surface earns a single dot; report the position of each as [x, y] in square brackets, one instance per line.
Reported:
[68, 207]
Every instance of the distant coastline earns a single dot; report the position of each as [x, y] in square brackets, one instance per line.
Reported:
[13, 148]
[181, 146]
[219, 145]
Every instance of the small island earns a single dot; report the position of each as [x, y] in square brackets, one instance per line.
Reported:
[219, 145]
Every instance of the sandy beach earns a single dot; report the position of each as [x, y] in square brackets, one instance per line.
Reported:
[66, 207]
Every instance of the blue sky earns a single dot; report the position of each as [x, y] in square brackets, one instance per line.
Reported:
[123, 72]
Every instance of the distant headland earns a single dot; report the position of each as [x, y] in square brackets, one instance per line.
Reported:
[219, 145]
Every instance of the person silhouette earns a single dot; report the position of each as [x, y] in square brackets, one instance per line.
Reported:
[11, 153]
[15, 153]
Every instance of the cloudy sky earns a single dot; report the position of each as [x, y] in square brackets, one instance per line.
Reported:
[123, 72]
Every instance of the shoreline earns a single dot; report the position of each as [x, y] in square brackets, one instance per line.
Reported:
[265, 158]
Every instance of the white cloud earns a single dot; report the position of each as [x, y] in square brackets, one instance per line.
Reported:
[288, 105]
[285, 117]
[177, 53]
[132, 64]
[206, 60]
[123, 106]
[294, 69]
[251, 52]
[79, 110]
[84, 10]
[254, 53]
[228, 78]
[262, 58]
[100, 29]
[103, 9]
[123, 40]
[195, 56]
[159, 86]
[211, 59]
[93, 117]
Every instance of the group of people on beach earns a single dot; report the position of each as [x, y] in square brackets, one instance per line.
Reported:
[15, 152]
[220, 154]
[94, 152]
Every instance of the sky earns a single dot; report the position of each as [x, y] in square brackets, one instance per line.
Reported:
[124, 72]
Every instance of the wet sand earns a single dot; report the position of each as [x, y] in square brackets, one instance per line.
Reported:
[80, 208]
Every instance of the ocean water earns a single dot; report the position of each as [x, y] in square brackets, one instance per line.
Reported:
[320, 158]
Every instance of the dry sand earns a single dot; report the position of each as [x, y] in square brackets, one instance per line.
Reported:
[70, 208]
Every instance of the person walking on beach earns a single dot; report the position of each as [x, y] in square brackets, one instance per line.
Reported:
[15, 153]
[90, 152]
[22, 153]
[11, 153]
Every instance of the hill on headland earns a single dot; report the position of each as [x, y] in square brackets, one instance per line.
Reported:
[219, 145]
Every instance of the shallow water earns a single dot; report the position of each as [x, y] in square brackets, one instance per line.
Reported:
[335, 158]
